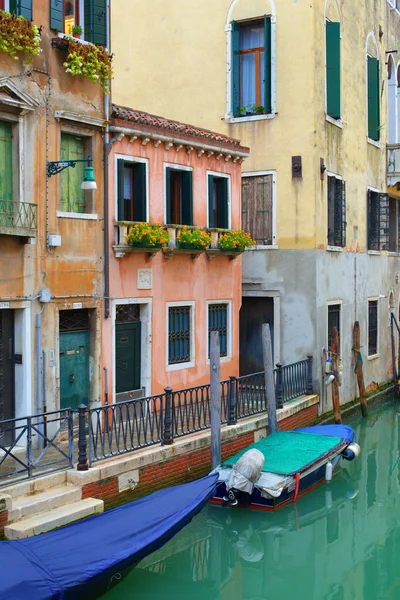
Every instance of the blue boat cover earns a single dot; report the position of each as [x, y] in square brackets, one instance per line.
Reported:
[343, 431]
[72, 561]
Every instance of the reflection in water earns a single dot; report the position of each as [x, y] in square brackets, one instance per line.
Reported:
[340, 542]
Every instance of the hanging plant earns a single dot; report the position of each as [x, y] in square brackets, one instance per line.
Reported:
[90, 61]
[17, 34]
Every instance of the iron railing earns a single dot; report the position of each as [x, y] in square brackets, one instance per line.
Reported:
[36, 445]
[18, 215]
[296, 379]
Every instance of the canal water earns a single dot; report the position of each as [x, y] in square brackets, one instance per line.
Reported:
[340, 542]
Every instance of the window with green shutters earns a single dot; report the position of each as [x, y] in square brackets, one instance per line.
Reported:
[333, 97]
[131, 191]
[64, 14]
[6, 166]
[373, 98]
[218, 201]
[179, 196]
[72, 196]
[251, 67]
[218, 321]
[22, 8]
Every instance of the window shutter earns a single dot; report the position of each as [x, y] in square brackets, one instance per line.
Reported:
[139, 191]
[211, 222]
[6, 182]
[222, 209]
[267, 63]
[56, 15]
[120, 189]
[373, 99]
[333, 69]
[22, 8]
[186, 198]
[235, 69]
[95, 21]
[383, 222]
[167, 195]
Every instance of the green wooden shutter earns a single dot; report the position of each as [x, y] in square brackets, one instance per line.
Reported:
[139, 191]
[168, 196]
[120, 189]
[222, 208]
[235, 69]
[56, 15]
[373, 99]
[22, 8]
[211, 221]
[333, 69]
[267, 66]
[72, 196]
[6, 180]
[95, 21]
[186, 198]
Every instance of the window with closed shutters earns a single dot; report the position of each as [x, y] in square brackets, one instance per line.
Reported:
[257, 208]
[373, 98]
[333, 100]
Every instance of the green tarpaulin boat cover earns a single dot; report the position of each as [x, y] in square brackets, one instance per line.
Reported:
[290, 452]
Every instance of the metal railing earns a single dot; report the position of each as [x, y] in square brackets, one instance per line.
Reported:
[18, 215]
[36, 445]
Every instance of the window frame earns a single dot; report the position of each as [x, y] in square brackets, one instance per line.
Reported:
[373, 250]
[274, 245]
[340, 304]
[5, 5]
[192, 345]
[229, 203]
[229, 325]
[81, 16]
[133, 159]
[330, 247]
[229, 117]
[176, 167]
[338, 122]
[376, 354]
[17, 159]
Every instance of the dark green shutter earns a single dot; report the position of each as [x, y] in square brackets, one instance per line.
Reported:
[168, 196]
[95, 21]
[139, 191]
[186, 198]
[56, 15]
[333, 69]
[235, 69]
[211, 222]
[120, 188]
[222, 199]
[6, 182]
[267, 66]
[373, 99]
[22, 8]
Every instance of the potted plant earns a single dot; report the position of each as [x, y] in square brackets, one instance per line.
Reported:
[77, 31]
[17, 34]
[147, 235]
[260, 110]
[193, 238]
[235, 241]
[90, 61]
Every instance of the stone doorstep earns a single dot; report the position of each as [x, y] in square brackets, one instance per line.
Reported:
[54, 497]
[35, 485]
[129, 464]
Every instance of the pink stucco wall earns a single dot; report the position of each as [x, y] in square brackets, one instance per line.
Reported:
[179, 278]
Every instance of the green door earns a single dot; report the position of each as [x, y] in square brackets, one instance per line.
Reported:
[127, 344]
[74, 369]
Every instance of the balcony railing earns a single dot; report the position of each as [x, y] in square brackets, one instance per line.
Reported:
[393, 164]
[18, 218]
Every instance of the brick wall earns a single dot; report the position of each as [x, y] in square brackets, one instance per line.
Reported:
[3, 522]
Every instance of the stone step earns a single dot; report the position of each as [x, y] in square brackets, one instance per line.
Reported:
[37, 484]
[32, 504]
[53, 519]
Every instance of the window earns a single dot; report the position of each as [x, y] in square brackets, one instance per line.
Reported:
[73, 198]
[336, 212]
[64, 14]
[257, 208]
[218, 321]
[131, 191]
[372, 327]
[333, 69]
[22, 8]
[179, 196]
[378, 221]
[218, 201]
[71, 15]
[6, 167]
[394, 225]
[373, 98]
[251, 67]
[333, 321]
[179, 334]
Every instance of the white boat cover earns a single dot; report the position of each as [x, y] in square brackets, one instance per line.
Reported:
[272, 484]
[246, 471]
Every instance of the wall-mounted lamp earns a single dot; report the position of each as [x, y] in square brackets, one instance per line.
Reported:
[56, 166]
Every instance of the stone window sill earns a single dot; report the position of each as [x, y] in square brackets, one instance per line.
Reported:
[73, 215]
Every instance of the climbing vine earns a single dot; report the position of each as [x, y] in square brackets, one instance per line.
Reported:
[90, 61]
[18, 35]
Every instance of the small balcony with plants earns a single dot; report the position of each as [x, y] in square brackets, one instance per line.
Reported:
[228, 242]
[187, 239]
[18, 218]
[138, 237]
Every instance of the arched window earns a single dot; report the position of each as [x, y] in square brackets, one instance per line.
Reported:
[392, 101]
[332, 60]
[373, 95]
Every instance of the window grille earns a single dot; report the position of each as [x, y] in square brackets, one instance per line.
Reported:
[218, 321]
[336, 212]
[372, 327]
[74, 320]
[179, 334]
[127, 313]
[333, 321]
[378, 221]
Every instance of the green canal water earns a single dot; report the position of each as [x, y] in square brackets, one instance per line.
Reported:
[339, 542]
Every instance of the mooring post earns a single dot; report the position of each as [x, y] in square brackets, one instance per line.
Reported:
[215, 384]
[231, 401]
[335, 383]
[358, 368]
[82, 443]
[279, 386]
[168, 437]
[269, 378]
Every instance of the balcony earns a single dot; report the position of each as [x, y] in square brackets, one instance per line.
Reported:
[18, 218]
[393, 164]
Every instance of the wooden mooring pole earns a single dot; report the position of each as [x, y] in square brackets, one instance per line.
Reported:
[215, 399]
[358, 368]
[269, 378]
[335, 383]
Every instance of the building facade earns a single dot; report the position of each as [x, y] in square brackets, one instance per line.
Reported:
[313, 91]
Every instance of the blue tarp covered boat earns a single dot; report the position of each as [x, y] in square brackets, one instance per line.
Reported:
[85, 559]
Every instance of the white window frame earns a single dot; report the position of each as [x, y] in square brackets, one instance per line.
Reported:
[336, 122]
[328, 247]
[61, 34]
[192, 361]
[177, 168]
[228, 177]
[335, 303]
[228, 303]
[274, 245]
[132, 159]
[229, 112]
[377, 353]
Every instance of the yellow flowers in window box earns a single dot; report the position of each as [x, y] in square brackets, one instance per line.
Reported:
[194, 238]
[147, 235]
[235, 241]
[17, 34]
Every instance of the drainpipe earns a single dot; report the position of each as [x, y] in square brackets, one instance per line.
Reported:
[38, 371]
[107, 148]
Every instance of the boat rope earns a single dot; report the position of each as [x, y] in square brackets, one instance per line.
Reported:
[296, 487]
